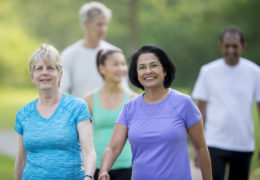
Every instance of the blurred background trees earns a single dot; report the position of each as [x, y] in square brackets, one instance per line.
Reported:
[188, 30]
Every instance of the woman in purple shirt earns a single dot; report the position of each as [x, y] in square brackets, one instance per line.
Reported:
[156, 124]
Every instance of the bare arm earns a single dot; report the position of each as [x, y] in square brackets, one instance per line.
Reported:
[196, 133]
[202, 105]
[113, 150]
[88, 152]
[20, 159]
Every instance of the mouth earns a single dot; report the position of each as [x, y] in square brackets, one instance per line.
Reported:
[45, 80]
[149, 78]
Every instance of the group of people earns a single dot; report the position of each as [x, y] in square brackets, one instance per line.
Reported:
[103, 130]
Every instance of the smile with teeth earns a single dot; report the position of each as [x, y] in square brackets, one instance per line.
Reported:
[149, 78]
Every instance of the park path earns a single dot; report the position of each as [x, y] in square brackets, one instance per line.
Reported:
[9, 145]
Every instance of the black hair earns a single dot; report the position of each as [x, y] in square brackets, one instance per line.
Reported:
[165, 60]
[102, 57]
[233, 30]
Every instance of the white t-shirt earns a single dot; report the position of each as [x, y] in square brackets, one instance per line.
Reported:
[80, 74]
[230, 92]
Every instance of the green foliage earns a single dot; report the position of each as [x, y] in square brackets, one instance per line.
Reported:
[6, 167]
[11, 101]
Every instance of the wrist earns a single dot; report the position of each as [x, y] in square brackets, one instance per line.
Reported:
[88, 177]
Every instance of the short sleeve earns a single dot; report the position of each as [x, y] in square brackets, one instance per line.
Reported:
[200, 90]
[83, 113]
[18, 123]
[122, 118]
[257, 86]
[192, 114]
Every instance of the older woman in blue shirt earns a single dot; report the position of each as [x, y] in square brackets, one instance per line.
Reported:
[55, 134]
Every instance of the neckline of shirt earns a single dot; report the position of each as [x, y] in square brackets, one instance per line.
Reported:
[157, 103]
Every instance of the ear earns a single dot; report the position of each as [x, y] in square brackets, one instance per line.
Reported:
[244, 46]
[101, 68]
[220, 45]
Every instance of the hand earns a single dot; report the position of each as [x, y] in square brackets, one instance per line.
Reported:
[104, 176]
[196, 161]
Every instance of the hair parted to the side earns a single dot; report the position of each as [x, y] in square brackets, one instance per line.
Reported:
[46, 52]
[167, 63]
[93, 9]
[102, 57]
[233, 30]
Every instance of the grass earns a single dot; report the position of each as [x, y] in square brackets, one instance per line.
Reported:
[6, 167]
[13, 99]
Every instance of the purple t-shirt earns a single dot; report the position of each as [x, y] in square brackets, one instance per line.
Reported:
[158, 136]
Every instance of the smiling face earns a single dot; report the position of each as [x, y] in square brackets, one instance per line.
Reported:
[115, 68]
[231, 48]
[45, 75]
[150, 71]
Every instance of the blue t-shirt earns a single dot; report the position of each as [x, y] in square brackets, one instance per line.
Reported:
[53, 148]
[158, 136]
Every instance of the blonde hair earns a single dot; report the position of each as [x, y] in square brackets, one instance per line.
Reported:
[46, 52]
[93, 9]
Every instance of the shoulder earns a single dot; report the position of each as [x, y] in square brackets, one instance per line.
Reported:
[133, 102]
[212, 65]
[250, 65]
[70, 102]
[107, 45]
[89, 97]
[70, 50]
[27, 109]
[180, 97]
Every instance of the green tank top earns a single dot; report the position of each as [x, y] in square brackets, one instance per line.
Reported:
[103, 126]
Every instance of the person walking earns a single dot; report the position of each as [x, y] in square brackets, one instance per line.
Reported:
[226, 89]
[105, 105]
[156, 123]
[55, 133]
[80, 72]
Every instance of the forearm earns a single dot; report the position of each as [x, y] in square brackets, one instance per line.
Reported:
[108, 159]
[89, 162]
[205, 163]
[18, 168]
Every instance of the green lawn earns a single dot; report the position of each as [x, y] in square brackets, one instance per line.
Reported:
[6, 167]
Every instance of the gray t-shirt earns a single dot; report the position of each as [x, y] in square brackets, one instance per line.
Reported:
[80, 73]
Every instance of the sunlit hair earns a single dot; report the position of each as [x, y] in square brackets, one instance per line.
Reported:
[233, 30]
[102, 57]
[47, 53]
[93, 9]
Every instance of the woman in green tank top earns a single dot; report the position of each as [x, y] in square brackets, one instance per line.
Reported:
[105, 105]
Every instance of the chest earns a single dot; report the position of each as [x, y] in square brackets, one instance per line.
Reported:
[160, 128]
[57, 132]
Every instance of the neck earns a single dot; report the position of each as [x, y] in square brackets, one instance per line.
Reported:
[49, 98]
[155, 95]
[90, 42]
[232, 62]
[112, 87]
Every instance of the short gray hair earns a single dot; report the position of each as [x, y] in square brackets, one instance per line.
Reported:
[93, 9]
[46, 52]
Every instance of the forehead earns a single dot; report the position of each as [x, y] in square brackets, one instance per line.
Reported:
[147, 58]
[45, 62]
[116, 56]
[231, 38]
[99, 18]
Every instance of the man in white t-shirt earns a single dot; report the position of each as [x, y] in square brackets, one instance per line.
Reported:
[226, 90]
[80, 73]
